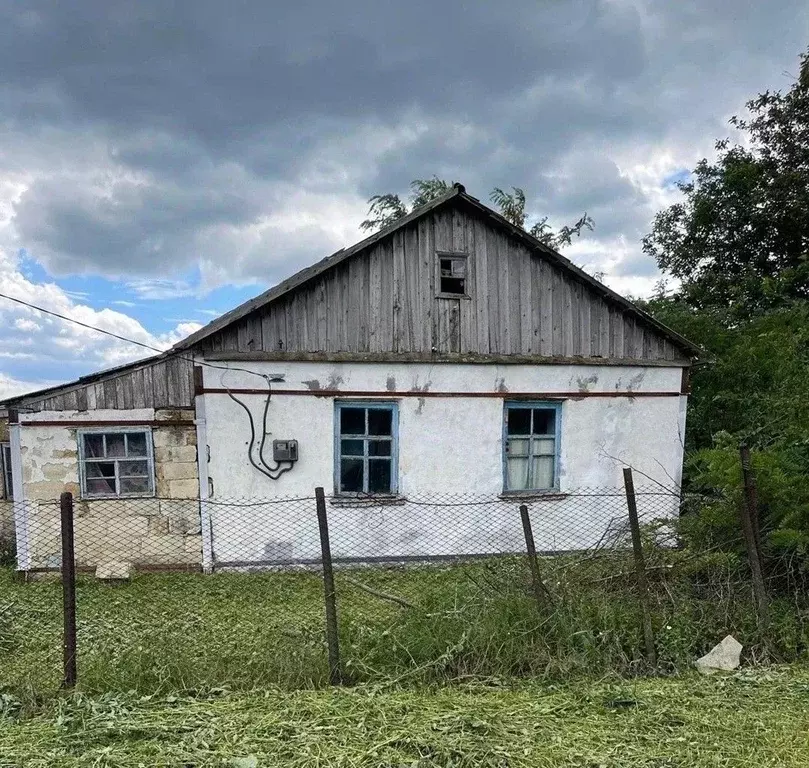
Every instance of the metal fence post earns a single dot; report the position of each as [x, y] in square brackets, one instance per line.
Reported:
[748, 512]
[541, 593]
[68, 591]
[332, 640]
[640, 567]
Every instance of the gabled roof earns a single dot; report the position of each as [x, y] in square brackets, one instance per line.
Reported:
[456, 193]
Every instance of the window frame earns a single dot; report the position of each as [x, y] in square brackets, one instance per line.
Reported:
[455, 256]
[550, 405]
[388, 405]
[6, 472]
[149, 457]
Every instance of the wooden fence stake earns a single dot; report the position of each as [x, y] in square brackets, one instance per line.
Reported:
[541, 593]
[748, 512]
[332, 639]
[68, 591]
[640, 567]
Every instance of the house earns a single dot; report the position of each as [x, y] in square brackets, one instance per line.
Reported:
[448, 354]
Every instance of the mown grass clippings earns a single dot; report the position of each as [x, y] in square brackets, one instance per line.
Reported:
[743, 719]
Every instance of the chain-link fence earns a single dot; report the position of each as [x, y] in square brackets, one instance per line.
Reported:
[189, 593]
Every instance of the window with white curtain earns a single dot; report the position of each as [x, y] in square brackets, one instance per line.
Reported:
[531, 445]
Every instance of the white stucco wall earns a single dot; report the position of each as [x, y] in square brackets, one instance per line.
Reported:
[448, 447]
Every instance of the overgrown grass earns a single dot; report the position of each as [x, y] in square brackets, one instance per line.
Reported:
[751, 718]
[188, 632]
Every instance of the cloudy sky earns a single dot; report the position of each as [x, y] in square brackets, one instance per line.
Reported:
[162, 161]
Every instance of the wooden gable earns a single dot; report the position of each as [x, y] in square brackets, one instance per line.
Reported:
[386, 298]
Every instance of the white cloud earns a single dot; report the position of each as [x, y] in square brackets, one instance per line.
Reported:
[60, 346]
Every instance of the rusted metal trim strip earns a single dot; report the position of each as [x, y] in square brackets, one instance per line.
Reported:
[74, 423]
[418, 393]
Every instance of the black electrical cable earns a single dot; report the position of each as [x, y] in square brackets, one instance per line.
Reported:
[272, 472]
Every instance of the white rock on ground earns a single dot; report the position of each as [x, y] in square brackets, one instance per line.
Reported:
[114, 569]
[723, 656]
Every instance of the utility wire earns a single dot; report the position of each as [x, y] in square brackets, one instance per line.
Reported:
[127, 340]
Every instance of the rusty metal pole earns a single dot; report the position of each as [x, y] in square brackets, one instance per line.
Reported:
[332, 639]
[541, 594]
[68, 591]
[640, 567]
[748, 512]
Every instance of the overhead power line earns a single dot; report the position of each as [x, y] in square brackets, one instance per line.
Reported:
[132, 341]
[79, 322]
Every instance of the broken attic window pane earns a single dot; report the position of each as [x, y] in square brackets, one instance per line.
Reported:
[379, 421]
[352, 421]
[351, 475]
[453, 275]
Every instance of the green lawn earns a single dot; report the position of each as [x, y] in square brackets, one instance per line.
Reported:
[751, 718]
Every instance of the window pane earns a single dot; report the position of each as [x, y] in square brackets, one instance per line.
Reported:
[379, 476]
[380, 421]
[135, 485]
[517, 447]
[351, 447]
[352, 421]
[543, 472]
[94, 446]
[544, 421]
[517, 473]
[115, 445]
[133, 469]
[379, 447]
[100, 469]
[519, 421]
[351, 475]
[446, 267]
[544, 446]
[105, 487]
[136, 444]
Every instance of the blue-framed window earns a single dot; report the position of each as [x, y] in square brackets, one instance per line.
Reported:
[366, 447]
[531, 446]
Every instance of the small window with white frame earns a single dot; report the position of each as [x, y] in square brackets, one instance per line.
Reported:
[6, 484]
[531, 446]
[116, 463]
[452, 274]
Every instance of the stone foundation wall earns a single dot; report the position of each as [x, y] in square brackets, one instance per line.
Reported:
[163, 531]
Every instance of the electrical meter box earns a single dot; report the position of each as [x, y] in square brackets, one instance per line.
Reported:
[285, 450]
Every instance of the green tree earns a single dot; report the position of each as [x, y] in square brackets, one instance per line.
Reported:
[740, 238]
[386, 209]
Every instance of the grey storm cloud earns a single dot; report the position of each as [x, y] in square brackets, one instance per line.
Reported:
[151, 133]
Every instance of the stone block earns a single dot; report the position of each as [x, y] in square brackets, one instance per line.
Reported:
[186, 524]
[177, 470]
[168, 437]
[114, 570]
[165, 550]
[158, 526]
[174, 414]
[183, 489]
[169, 453]
[193, 547]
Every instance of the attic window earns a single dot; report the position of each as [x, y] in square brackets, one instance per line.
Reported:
[452, 274]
